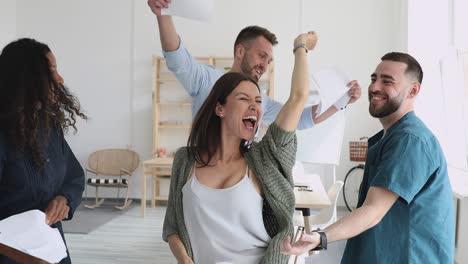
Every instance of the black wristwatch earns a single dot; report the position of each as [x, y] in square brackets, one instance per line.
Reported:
[323, 240]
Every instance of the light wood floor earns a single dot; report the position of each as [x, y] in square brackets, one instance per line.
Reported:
[126, 239]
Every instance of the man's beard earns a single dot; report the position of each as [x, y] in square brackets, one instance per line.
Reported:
[248, 70]
[390, 107]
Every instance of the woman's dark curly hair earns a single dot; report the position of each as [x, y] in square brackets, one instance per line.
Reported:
[32, 103]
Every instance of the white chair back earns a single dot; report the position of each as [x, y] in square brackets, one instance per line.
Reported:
[327, 216]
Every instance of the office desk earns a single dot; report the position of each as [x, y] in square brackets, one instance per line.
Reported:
[313, 200]
[313, 196]
[157, 168]
[19, 256]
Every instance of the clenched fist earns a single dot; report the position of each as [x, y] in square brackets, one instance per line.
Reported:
[308, 40]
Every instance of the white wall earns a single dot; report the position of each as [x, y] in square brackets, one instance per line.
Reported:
[428, 47]
[104, 52]
[7, 22]
[460, 24]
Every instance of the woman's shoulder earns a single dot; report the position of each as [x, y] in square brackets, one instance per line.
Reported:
[181, 157]
[182, 152]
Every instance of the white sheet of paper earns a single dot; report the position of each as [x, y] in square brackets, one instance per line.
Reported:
[201, 10]
[29, 233]
[331, 86]
[323, 143]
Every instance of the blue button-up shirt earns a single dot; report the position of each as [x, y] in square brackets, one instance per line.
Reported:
[420, 226]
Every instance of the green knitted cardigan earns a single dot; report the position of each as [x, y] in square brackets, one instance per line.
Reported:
[271, 160]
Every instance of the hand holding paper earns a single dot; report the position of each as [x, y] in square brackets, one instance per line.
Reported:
[335, 88]
[57, 210]
[201, 10]
[29, 233]
[350, 97]
[342, 102]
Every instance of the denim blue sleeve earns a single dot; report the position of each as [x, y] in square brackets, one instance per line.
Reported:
[405, 166]
[196, 78]
[271, 109]
[73, 185]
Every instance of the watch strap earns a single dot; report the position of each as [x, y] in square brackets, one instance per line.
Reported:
[323, 240]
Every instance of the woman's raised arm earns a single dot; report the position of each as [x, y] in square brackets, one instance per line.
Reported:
[289, 115]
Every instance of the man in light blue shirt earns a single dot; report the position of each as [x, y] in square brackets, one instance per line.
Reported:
[253, 52]
[405, 210]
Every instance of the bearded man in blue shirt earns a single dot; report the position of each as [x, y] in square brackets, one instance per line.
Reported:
[405, 210]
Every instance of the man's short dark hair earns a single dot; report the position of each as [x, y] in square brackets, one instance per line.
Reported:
[413, 67]
[252, 32]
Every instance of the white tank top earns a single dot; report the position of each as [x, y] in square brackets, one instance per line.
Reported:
[225, 225]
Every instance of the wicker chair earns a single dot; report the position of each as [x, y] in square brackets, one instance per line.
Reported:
[112, 168]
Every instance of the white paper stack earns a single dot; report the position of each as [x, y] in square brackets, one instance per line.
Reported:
[29, 233]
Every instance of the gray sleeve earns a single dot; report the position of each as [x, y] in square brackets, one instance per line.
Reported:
[170, 220]
[279, 147]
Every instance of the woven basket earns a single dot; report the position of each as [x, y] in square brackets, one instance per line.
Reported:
[358, 150]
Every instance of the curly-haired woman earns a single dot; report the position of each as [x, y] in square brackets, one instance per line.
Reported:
[38, 170]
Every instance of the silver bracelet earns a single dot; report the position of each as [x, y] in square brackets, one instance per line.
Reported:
[300, 46]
